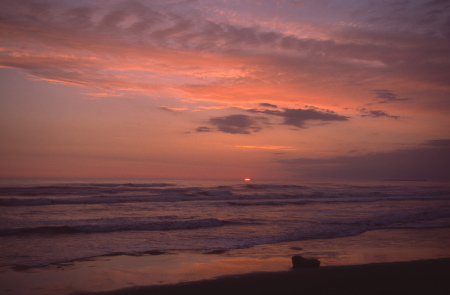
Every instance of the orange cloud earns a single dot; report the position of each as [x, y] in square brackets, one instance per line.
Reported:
[98, 95]
[268, 147]
[137, 47]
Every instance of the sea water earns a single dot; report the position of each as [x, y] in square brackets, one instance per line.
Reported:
[44, 222]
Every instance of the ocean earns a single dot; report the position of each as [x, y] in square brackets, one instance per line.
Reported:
[45, 222]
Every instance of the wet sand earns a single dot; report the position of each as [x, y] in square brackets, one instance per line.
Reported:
[359, 264]
[417, 277]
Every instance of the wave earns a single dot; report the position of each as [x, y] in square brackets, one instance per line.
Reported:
[107, 199]
[405, 219]
[233, 195]
[266, 203]
[231, 198]
[116, 225]
[331, 229]
[274, 186]
[78, 189]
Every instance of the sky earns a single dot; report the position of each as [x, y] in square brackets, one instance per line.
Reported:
[225, 89]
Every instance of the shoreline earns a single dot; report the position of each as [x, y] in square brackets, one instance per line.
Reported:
[157, 269]
[413, 277]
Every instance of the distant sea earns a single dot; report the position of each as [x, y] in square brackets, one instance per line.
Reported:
[59, 220]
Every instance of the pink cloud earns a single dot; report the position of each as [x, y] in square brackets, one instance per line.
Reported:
[155, 48]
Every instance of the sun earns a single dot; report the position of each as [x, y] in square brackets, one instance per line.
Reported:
[247, 179]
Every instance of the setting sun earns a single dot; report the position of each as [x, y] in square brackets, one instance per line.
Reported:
[126, 124]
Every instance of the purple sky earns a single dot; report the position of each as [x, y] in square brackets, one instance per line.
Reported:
[287, 89]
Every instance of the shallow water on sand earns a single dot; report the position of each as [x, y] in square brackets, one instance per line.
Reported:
[123, 271]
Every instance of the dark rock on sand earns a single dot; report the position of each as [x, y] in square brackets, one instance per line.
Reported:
[300, 262]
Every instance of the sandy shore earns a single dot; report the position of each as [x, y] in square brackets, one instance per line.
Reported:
[377, 258]
[417, 277]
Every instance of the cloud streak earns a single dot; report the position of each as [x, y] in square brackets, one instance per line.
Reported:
[159, 37]
[268, 147]
[430, 161]
[386, 96]
[299, 117]
[244, 124]
[235, 124]
[376, 114]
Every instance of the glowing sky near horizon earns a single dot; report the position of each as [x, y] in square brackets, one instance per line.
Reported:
[262, 89]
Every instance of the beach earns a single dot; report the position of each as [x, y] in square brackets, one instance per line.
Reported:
[418, 277]
[385, 261]
[60, 237]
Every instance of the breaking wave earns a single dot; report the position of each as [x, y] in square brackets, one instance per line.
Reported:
[113, 225]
